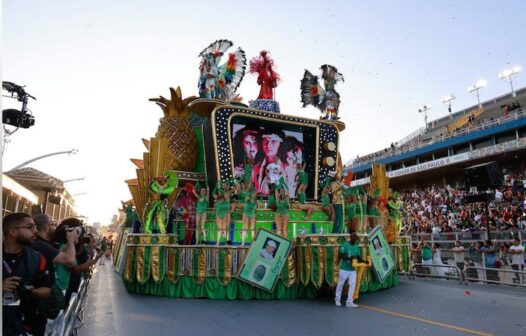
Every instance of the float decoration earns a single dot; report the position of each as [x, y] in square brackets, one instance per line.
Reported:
[221, 81]
[268, 78]
[176, 127]
[326, 99]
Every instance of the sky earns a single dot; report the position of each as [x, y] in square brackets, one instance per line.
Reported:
[92, 65]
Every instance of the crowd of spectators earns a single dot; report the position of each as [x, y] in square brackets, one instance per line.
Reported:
[486, 260]
[43, 265]
[432, 212]
[444, 209]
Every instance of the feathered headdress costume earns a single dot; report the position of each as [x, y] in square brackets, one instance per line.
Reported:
[327, 100]
[268, 78]
[221, 81]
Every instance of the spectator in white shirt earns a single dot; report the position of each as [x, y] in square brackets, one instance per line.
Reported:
[458, 254]
[498, 195]
[517, 258]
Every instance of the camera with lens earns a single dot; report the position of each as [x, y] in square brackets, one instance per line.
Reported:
[86, 238]
[17, 118]
[80, 230]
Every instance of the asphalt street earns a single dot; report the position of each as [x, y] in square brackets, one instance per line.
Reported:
[415, 307]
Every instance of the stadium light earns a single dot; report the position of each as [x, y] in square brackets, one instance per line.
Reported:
[447, 100]
[476, 87]
[424, 110]
[69, 153]
[507, 76]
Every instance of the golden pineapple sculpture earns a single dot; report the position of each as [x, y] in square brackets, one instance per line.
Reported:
[176, 127]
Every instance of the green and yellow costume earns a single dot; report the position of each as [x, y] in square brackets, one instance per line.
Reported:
[157, 216]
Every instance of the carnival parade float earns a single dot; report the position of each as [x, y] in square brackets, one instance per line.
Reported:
[246, 202]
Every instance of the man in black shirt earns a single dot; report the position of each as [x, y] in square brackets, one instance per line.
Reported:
[45, 231]
[24, 273]
[44, 245]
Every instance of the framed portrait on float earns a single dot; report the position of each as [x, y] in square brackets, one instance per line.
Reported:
[265, 260]
[380, 253]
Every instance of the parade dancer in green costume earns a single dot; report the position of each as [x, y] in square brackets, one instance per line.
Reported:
[240, 189]
[326, 199]
[337, 202]
[200, 211]
[249, 214]
[302, 204]
[372, 209]
[350, 210]
[395, 209]
[222, 197]
[282, 208]
[157, 216]
[271, 202]
[303, 181]
[303, 177]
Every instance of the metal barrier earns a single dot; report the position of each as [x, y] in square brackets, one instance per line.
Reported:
[470, 274]
[69, 322]
[468, 236]
[503, 276]
[437, 271]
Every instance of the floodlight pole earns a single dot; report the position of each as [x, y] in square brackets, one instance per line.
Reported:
[447, 100]
[507, 76]
[424, 110]
[475, 88]
[69, 152]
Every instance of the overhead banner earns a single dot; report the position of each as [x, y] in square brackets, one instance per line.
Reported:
[430, 165]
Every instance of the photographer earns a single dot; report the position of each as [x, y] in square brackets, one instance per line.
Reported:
[23, 272]
[69, 278]
[49, 309]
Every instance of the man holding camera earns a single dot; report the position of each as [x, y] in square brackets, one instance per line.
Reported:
[24, 273]
[43, 244]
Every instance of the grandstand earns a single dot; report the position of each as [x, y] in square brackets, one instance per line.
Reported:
[495, 130]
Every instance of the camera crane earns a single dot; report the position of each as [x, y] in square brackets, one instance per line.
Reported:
[22, 118]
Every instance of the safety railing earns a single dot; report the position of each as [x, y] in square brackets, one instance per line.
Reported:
[469, 274]
[495, 275]
[437, 271]
[70, 321]
[473, 236]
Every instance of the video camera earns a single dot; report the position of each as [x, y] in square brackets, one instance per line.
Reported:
[14, 117]
[80, 230]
